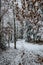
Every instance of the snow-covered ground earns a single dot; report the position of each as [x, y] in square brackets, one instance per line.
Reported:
[35, 48]
[25, 54]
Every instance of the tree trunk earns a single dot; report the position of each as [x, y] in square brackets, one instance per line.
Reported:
[14, 34]
[14, 26]
[0, 30]
[9, 40]
[22, 29]
[0, 22]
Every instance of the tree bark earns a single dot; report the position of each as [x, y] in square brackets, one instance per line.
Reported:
[14, 34]
[14, 25]
[0, 21]
[0, 30]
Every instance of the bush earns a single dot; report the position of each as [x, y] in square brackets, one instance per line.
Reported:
[37, 38]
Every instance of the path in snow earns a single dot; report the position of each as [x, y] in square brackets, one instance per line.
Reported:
[35, 48]
[25, 54]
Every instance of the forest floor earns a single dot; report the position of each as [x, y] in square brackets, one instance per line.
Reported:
[25, 54]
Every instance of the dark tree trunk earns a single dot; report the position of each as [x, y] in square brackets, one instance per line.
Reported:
[14, 34]
[14, 15]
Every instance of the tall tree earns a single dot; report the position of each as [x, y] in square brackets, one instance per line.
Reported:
[14, 16]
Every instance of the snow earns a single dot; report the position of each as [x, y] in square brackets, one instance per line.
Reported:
[25, 54]
[35, 48]
[19, 3]
[27, 46]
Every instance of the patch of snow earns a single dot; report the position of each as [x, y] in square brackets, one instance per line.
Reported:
[25, 54]
[35, 48]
